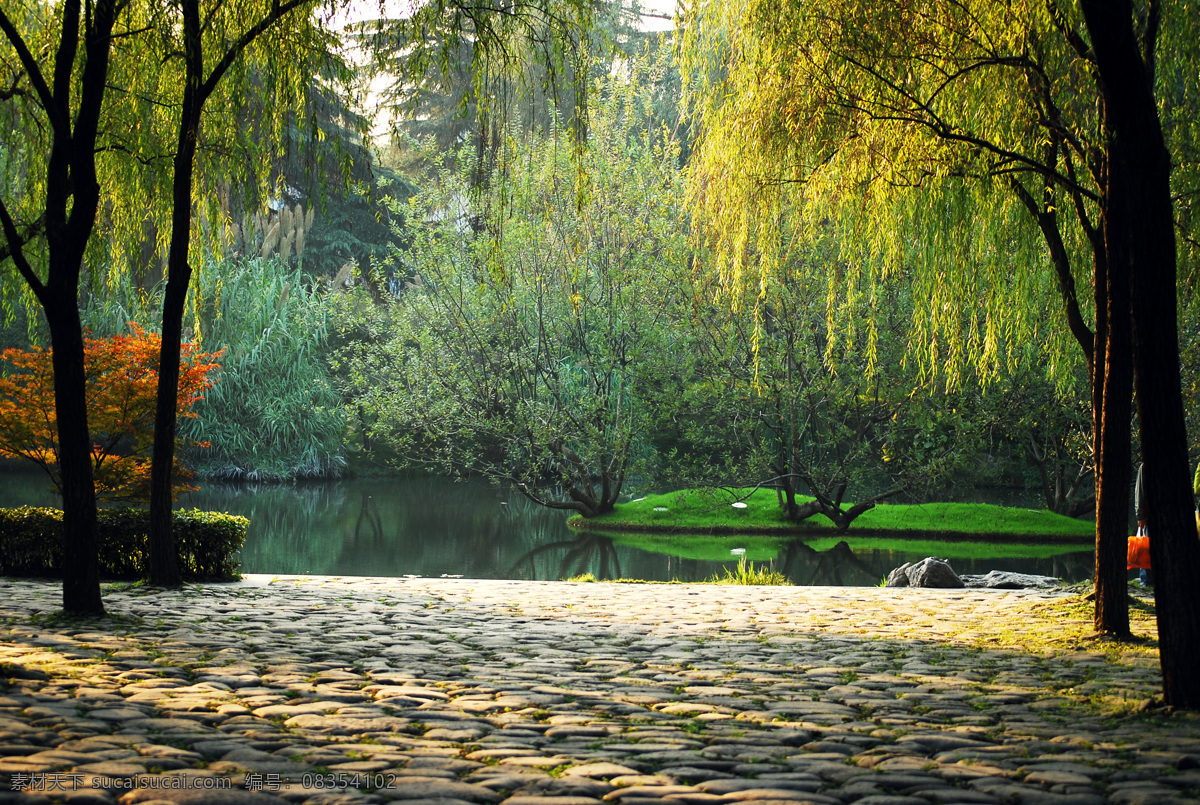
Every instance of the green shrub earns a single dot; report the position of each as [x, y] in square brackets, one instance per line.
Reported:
[31, 543]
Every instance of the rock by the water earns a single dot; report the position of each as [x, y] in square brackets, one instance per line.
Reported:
[929, 572]
[1005, 580]
[898, 578]
[932, 572]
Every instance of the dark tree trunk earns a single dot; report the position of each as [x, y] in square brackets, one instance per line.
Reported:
[1112, 388]
[72, 199]
[786, 490]
[164, 555]
[1139, 232]
[1111, 446]
[164, 558]
[81, 566]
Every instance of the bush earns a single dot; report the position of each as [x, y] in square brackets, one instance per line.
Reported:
[31, 543]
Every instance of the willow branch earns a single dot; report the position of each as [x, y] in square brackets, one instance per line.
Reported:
[17, 253]
[45, 97]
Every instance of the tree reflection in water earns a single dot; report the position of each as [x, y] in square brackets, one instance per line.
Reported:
[587, 550]
[837, 566]
[368, 514]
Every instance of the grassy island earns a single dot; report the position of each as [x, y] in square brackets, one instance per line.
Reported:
[711, 511]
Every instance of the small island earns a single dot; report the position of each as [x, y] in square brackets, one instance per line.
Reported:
[716, 511]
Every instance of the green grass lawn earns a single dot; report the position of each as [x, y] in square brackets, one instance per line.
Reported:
[710, 511]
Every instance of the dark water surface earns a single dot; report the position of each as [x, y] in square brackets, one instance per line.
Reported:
[435, 527]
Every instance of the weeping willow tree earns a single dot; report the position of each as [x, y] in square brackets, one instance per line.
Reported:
[217, 51]
[54, 86]
[104, 100]
[460, 68]
[988, 151]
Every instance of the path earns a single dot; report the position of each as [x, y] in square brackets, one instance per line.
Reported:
[458, 691]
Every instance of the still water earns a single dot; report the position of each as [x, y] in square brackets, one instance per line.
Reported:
[435, 527]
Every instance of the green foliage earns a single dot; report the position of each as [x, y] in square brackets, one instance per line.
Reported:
[780, 396]
[929, 139]
[1049, 422]
[747, 573]
[458, 69]
[263, 106]
[208, 543]
[523, 349]
[274, 413]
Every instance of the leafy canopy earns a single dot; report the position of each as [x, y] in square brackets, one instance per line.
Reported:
[122, 384]
[949, 141]
[265, 104]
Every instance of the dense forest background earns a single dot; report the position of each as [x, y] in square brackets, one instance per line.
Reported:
[500, 275]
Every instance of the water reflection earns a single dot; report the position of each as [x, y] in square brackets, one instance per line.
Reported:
[588, 553]
[838, 566]
[846, 566]
[435, 527]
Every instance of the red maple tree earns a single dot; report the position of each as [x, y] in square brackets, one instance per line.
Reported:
[122, 384]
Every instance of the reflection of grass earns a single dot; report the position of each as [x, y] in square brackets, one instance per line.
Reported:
[763, 548]
[709, 510]
[702, 546]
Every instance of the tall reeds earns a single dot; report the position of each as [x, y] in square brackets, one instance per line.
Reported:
[274, 414]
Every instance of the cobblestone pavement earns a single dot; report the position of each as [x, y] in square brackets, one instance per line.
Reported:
[319, 690]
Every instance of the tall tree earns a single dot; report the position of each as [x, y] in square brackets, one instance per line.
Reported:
[217, 35]
[114, 62]
[523, 351]
[467, 71]
[1139, 233]
[56, 65]
[973, 145]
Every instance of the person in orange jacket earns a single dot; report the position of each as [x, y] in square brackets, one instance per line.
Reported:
[1139, 511]
[1196, 491]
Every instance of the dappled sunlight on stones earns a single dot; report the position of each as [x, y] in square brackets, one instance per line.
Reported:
[459, 691]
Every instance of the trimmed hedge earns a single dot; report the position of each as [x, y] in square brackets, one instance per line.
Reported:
[31, 543]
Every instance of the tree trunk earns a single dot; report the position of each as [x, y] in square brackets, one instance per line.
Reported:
[164, 554]
[72, 199]
[1139, 232]
[81, 566]
[1111, 413]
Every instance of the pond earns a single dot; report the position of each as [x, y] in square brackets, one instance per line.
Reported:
[436, 527]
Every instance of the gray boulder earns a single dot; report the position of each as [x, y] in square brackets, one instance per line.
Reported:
[1005, 580]
[898, 578]
[932, 572]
